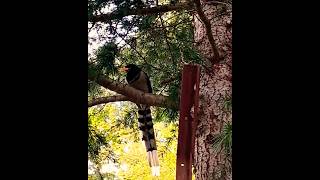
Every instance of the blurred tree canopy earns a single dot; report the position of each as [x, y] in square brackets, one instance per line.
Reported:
[115, 147]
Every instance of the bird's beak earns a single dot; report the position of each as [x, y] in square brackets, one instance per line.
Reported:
[123, 69]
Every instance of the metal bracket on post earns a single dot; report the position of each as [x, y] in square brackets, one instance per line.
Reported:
[189, 105]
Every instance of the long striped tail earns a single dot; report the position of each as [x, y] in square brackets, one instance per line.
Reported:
[148, 136]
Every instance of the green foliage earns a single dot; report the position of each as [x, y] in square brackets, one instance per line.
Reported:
[223, 141]
[147, 22]
[99, 136]
[108, 176]
[165, 115]
[105, 59]
[93, 89]
[112, 141]
[174, 91]
[95, 6]
[228, 104]
[129, 116]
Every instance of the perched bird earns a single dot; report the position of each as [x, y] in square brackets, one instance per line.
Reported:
[140, 80]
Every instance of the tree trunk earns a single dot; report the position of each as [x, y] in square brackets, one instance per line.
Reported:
[215, 90]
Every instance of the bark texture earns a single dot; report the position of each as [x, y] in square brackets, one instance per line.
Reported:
[104, 100]
[215, 90]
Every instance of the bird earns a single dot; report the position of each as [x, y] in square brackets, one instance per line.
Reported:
[138, 79]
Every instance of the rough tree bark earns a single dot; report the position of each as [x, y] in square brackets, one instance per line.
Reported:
[104, 100]
[215, 89]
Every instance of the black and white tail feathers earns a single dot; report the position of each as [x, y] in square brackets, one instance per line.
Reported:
[148, 136]
[140, 80]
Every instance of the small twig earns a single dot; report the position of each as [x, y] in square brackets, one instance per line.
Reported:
[144, 59]
[207, 24]
[218, 2]
[163, 89]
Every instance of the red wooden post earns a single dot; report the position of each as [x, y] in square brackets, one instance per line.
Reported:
[196, 109]
[187, 121]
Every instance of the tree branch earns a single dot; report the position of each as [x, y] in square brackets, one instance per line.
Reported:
[134, 95]
[207, 24]
[143, 11]
[104, 100]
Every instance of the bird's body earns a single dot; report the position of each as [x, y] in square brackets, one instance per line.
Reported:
[140, 80]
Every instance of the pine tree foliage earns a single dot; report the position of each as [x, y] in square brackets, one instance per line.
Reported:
[159, 43]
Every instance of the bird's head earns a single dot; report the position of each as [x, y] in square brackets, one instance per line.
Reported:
[130, 68]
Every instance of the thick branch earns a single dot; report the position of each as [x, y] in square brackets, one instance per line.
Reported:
[133, 94]
[143, 11]
[206, 22]
[104, 100]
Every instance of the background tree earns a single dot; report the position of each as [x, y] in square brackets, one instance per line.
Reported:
[213, 33]
[115, 149]
[161, 37]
